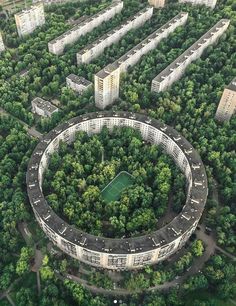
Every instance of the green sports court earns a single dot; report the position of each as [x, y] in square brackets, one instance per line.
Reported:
[113, 190]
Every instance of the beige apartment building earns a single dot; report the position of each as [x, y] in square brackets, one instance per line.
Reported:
[90, 52]
[107, 80]
[28, 20]
[176, 69]
[157, 3]
[57, 45]
[227, 106]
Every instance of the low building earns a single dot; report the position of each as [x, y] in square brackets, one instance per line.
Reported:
[93, 50]
[43, 108]
[57, 45]
[175, 70]
[209, 3]
[157, 3]
[77, 83]
[107, 80]
[2, 47]
[227, 106]
[28, 20]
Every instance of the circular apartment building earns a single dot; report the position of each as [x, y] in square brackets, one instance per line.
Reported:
[127, 253]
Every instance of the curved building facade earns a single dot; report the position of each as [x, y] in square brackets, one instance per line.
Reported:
[127, 253]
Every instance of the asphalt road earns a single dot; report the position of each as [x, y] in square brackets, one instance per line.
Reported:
[30, 130]
[198, 264]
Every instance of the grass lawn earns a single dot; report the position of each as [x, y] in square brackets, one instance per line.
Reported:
[113, 190]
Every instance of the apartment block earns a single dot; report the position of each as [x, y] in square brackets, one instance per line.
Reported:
[107, 80]
[93, 50]
[227, 106]
[176, 69]
[209, 3]
[157, 3]
[57, 45]
[43, 108]
[78, 84]
[28, 20]
[2, 47]
[126, 253]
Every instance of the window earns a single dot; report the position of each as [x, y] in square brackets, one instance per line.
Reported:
[143, 259]
[91, 256]
[166, 250]
[68, 247]
[117, 261]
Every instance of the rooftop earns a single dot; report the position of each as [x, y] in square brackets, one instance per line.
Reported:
[139, 46]
[232, 85]
[191, 211]
[79, 80]
[185, 55]
[83, 22]
[117, 29]
[31, 8]
[44, 105]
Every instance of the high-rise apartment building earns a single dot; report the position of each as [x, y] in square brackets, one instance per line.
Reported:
[227, 105]
[28, 20]
[93, 50]
[176, 69]
[2, 47]
[157, 3]
[57, 45]
[209, 3]
[107, 80]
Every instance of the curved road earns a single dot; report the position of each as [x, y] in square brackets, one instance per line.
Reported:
[198, 264]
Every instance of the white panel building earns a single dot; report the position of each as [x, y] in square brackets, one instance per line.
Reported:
[176, 69]
[107, 81]
[2, 47]
[93, 50]
[28, 20]
[43, 108]
[227, 106]
[78, 83]
[127, 253]
[209, 3]
[57, 45]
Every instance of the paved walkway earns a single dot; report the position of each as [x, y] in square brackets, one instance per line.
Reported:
[30, 130]
[195, 268]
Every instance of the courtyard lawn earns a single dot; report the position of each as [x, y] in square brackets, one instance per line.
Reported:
[113, 190]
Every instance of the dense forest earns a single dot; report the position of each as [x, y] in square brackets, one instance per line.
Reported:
[189, 106]
[77, 175]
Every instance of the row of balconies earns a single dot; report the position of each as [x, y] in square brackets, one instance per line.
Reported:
[57, 45]
[175, 70]
[91, 52]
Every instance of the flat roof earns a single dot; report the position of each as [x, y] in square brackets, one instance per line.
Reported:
[139, 46]
[232, 85]
[32, 7]
[83, 22]
[190, 213]
[177, 62]
[44, 105]
[79, 80]
[117, 29]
